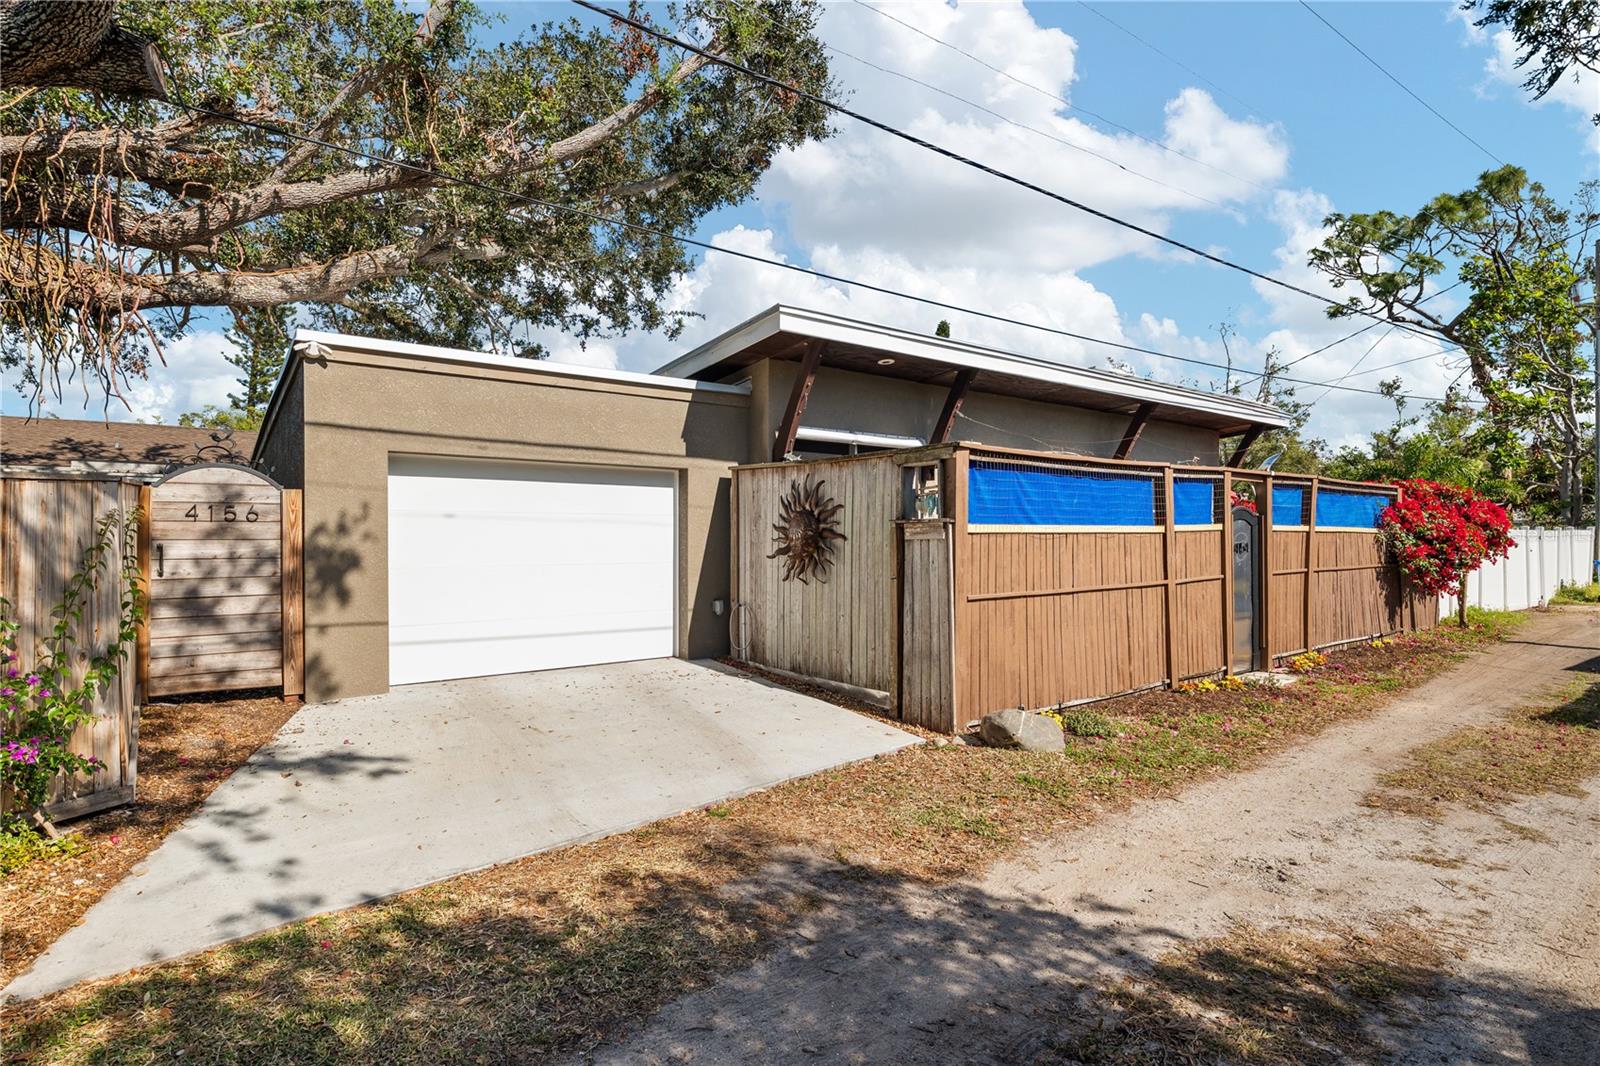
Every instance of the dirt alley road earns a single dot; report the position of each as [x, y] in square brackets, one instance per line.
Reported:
[984, 971]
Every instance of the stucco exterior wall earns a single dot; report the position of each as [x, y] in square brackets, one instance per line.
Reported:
[846, 400]
[362, 407]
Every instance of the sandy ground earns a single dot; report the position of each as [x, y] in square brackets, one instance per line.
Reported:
[987, 971]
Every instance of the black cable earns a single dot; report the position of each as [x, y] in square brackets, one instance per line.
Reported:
[594, 216]
[894, 131]
[1021, 125]
[1170, 59]
[1058, 98]
[1436, 113]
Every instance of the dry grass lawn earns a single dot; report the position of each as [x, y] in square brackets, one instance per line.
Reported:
[1552, 745]
[1295, 995]
[551, 953]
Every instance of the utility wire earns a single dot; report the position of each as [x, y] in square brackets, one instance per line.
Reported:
[1022, 125]
[1058, 98]
[1436, 113]
[691, 242]
[1170, 59]
[894, 131]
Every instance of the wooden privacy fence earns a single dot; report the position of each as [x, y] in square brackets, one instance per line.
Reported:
[219, 551]
[45, 525]
[953, 611]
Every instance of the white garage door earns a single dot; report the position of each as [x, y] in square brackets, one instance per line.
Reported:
[496, 568]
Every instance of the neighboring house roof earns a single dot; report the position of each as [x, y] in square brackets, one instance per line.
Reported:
[84, 445]
[783, 332]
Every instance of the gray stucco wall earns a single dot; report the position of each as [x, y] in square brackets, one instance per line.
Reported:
[362, 407]
[846, 400]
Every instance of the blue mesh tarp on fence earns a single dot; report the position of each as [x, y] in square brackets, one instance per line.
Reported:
[1039, 496]
[1288, 505]
[1357, 509]
[1193, 502]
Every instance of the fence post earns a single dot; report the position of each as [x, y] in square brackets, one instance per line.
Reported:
[291, 566]
[1268, 565]
[1227, 572]
[141, 643]
[1170, 542]
[1311, 560]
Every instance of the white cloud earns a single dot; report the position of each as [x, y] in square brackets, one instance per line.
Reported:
[196, 373]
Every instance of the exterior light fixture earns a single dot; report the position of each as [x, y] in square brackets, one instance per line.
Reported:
[886, 362]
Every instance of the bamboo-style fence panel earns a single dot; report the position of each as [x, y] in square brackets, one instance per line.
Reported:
[1055, 616]
[45, 525]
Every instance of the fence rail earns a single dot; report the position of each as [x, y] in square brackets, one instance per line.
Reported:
[1542, 561]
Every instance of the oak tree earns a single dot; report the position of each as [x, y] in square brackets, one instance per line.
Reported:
[125, 213]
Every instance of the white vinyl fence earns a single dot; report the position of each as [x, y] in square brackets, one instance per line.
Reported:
[1542, 560]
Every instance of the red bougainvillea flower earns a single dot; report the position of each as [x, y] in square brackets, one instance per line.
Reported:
[1440, 533]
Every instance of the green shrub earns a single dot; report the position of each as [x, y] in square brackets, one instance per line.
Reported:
[1086, 723]
[20, 845]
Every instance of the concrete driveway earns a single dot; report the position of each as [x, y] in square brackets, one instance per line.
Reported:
[363, 798]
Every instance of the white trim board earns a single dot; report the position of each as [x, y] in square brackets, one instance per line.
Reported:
[781, 318]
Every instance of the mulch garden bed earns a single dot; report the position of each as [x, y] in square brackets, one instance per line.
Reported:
[186, 749]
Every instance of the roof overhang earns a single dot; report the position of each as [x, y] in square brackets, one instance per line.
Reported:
[783, 332]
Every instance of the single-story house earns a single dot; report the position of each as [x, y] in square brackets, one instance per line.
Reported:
[469, 514]
[133, 451]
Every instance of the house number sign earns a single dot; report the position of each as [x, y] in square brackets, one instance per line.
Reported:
[225, 512]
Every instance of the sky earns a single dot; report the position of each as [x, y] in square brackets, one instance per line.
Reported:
[1234, 127]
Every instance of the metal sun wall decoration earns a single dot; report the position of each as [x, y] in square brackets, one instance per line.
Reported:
[805, 532]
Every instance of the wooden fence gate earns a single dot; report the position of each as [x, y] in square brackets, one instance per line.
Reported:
[222, 552]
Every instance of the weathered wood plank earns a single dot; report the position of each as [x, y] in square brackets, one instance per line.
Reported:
[167, 647]
[174, 588]
[167, 531]
[270, 658]
[206, 625]
[219, 681]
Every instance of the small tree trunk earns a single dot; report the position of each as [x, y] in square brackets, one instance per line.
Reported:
[1461, 602]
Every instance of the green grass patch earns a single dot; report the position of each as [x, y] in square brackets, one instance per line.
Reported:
[1083, 722]
[1574, 593]
[950, 819]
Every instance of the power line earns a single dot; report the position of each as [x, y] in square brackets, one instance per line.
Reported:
[1058, 98]
[894, 131]
[1436, 113]
[1170, 59]
[636, 227]
[1341, 378]
[1022, 125]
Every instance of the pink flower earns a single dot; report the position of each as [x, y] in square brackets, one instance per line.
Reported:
[326, 944]
[115, 839]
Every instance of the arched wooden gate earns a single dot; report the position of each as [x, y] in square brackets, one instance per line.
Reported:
[222, 556]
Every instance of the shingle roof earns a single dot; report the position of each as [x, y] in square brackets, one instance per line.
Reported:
[44, 442]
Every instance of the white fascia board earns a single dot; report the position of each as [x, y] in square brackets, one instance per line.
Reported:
[510, 362]
[846, 436]
[823, 326]
[461, 356]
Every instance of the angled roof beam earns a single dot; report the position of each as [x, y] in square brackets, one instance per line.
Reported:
[1135, 428]
[952, 406]
[1251, 435]
[783, 443]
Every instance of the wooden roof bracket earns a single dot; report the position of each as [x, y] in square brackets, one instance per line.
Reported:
[783, 443]
[1251, 435]
[952, 406]
[1135, 428]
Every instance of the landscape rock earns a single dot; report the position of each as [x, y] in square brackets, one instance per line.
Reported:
[1021, 729]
